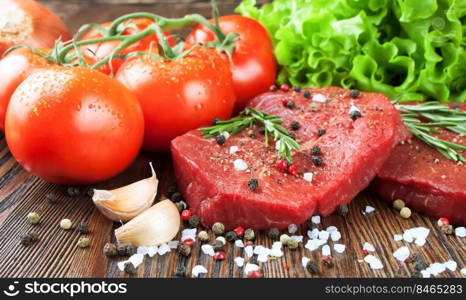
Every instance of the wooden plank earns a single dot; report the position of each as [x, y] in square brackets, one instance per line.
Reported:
[56, 254]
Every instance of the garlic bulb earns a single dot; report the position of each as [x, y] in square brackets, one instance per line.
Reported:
[157, 225]
[127, 202]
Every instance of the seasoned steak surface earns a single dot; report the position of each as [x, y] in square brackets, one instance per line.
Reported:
[352, 151]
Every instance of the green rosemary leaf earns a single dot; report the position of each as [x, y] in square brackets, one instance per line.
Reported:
[248, 118]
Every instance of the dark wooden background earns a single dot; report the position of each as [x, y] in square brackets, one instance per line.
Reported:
[56, 254]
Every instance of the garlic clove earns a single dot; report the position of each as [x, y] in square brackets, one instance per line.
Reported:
[127, 202]
[157, 225]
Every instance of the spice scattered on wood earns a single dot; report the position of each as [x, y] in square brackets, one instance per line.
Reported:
[355, 114]
[33, 218]
[121, 249]
[221, 239]
[51, 198]
[220, 255]
[29, 239]
[249, 234]
[176, 197]
[184, 249]
[83, 228]
[292, 243]
[218, 228]
[83, 242]
[131, 250]
[253, 184]
[447, 229]
[312, 267]
[66, 224]
[307, 94]
[220, 139]
[218, 246]
[203, 236]
[354, 93]
[186, 214]
[73, 191]
[317, 161]
[405, 212]
[110, 250]
[343, 210]
[230, 236]
[239, 231]
[130, 269]
[180, 271]
[273, 234]
[284, 239]
[295, 125]
[320, 132]
[315, 150]
[443, 222]
[255, 274]
[181, 206]
[194, 221]
[398, 204]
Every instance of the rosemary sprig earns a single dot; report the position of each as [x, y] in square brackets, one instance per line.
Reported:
[271, 124]
[438, 115]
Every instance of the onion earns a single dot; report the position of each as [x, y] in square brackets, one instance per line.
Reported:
[28, 23]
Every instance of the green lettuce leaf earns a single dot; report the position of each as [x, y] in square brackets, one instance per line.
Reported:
[407, 49]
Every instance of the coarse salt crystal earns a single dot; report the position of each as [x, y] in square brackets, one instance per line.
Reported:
[373, 262]
[331, 229]
[152, 251]
[142, 250]
[276, 252]
[298, 238]
[335, 236]
[239, 261]
[425, 274]
[326, 250]
[260, 250]
[463, 272]
[420, 242]
[417, 235]
[250, 268]
[262, 258]
[315, 219]
[451, 265]
[436, 268]
[208, 249]
[292, 228]
[199, 269]
[339, 248]
[401, 254]
[323, 235]
[249, 251]
[276, 245]
[368, 247]
[233, 149]
[313, 234]
[121, 265]
[460, 232]
[308, 176]
[164, 248]
[188, 234]
[239, 244]
[319, 98]
[397, 237]
[353, 109]
[304, 261]
[173, 244]
[136, 259]
[240, 165]
[369, 209]
[314, 244]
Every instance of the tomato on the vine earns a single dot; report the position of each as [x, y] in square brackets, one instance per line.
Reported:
[253, 62]
[73, 125]
[96, 52]
[14, 68]
[179, 95]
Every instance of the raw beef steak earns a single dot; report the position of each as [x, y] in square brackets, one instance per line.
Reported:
[425, 179]
[352, 150]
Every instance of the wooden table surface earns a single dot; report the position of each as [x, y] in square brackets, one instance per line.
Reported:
[56, 254]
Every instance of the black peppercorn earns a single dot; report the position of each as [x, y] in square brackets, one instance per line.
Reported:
[194, 221]
[220, 139]
[180, 271]
[320, 132]
[83, 228]
[307, 94]
[215, 121]
[230, 236]
[176, 197]
[274, 234]
[455, 105]
[121, 249]
[343, 210]
[253, 260]
[355, 114]
[29, 239]
[184, 250]
[51, 198]
[130, 269]
[312, 267]
[131, 250]
[295, 125]
[218, 246]
[315, 150]
[290, 104]
[90, 192]
[110, 250]
[317, 160]
[73, 191]
[253, 184]
[354, 93]
[297, 89]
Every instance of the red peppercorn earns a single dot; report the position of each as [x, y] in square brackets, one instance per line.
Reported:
[220, 255]
[366, 252]
[293, 170]
[282, 165]
[286, 267]
[285, 87]
[409, 260]
[186, 214]
[255, 274]
[273, 88]
[188, 242]
[239, 231]
[284, 101]
[443, 222]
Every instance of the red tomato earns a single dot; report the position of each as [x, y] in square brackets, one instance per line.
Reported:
[95, 52]
[14, 68]
[73, 125]
[180, 95]
[254, 68]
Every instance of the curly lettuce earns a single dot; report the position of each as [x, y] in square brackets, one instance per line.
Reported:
[406, 49]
